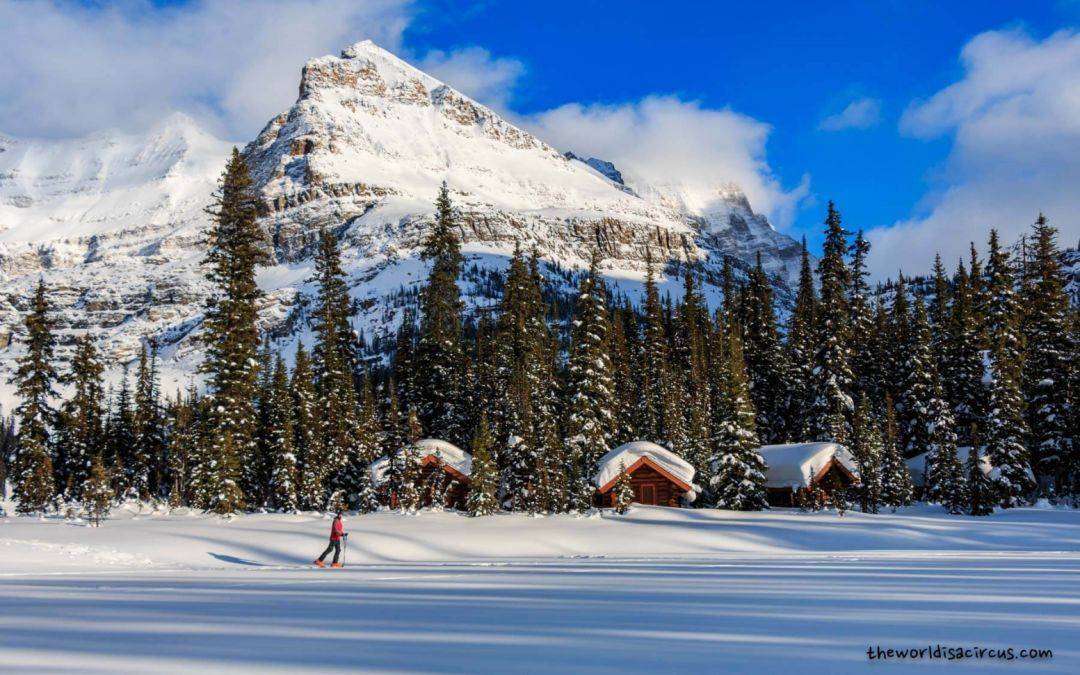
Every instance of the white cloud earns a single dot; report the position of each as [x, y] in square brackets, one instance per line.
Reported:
[664, 141]
[1015, 120]
[473, 71]
[862, 113]
[69, 68]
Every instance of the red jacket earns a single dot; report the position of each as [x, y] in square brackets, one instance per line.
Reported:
[337, 530]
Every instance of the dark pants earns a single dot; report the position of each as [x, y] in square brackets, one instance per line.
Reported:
[334, 546]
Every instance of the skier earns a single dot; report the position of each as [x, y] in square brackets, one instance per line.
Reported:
[337, 533]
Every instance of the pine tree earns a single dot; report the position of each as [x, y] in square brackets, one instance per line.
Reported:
[831, 380]
[591, 389]
[947, 482]
[691, 382]
[866, 447]
[120, 437]
[440, 357]
[896, 489]
[864, 338]
[34, 379]
[625, 374]
[525, 374]
[281, 435]
[623, 490]
[483, 498]
[83, 413]
[1006, 428]
[738, 478]
[939, 313]
[766, 364]
[96, 492]
[307, 437]
[962, 367]
[655, 379]
[334, 365]
[182, 442]
[1048, 353]
[148, 426]
[369, 440]
[800, 349]
[231, 337]
[896, 349]
[920, 385]
[981, 493]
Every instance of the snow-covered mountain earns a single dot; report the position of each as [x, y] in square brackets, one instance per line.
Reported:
[114, 222]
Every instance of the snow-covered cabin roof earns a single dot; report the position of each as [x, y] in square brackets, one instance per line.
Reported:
[790, 464]
[446, 452]
[917, 466]
[631, 453]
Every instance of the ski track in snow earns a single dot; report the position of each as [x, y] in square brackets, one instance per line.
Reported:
[656, 591]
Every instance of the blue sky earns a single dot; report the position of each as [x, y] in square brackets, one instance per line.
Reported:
[927, 122]
[790, 64]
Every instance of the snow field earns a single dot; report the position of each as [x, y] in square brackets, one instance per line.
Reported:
[656, 590]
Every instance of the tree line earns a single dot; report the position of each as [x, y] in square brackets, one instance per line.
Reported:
[985, 356]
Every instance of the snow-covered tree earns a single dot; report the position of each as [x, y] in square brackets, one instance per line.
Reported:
[440, 356]
[83, 416]
[738, 470]
[866, 447]
[236, 247]
[34, 379]
[831, 380]
[591, 389]
[800, 349]
[623, 490]
[281, 435]
[1049, 354]
[97, 494]
[980, 489]
[483, 499]
[766, 362]
[896, 489]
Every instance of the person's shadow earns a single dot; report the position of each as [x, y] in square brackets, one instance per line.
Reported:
[235, 561]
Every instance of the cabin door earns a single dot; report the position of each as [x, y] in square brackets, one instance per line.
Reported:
[648, 494]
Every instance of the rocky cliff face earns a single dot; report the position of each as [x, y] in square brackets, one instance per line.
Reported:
[114, 223]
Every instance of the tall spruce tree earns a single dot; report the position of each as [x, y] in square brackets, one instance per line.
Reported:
[766, 362]
[1048, 356]
[183, 442]
[691, 349]
[440, 356]
[867, 448]
[236, 248]
[896, 489]
[591, 389]
[34, 379]
[738, 477]
[962, 367]
[831, 380]
[800, 349]
[283, 489]
[483, 497]
[120, 437]
[981, 493]
[1006, 428]
[148, 425]
[307, 436]
[655, 379]
[84, 420]
[864, 365]
[335, 376]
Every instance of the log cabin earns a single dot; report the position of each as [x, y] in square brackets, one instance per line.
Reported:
[658, 476]
[795, 466]
[444, 468]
